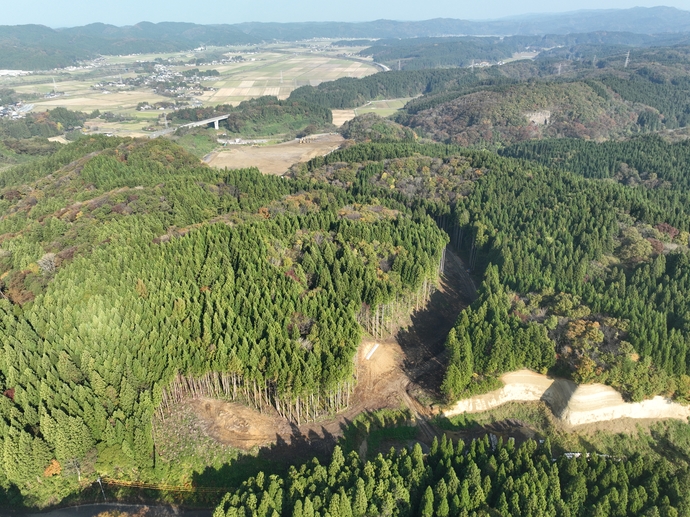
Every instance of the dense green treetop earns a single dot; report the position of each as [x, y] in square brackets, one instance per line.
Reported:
[263, 116]
[130, 269]
[466, 480]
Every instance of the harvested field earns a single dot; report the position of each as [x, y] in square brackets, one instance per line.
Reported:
[342, 116]
[383, 108]
[82, 99]
[275, 159]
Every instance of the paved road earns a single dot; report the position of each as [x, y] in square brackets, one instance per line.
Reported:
[162, 132]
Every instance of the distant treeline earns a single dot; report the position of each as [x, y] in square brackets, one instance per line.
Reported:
[350, 93]
[420, 53]
[263, 116]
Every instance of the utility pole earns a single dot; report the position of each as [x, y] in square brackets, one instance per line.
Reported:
[281, 77]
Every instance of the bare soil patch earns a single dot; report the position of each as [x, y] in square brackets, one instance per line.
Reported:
[342, 116]
[238, 425]
[275, 159]
[574, 405]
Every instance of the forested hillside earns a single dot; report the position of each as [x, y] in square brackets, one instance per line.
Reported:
[598, 96]
[264, 116]
[351, 93]
[502, 111]
[474, 479]
[532, 110]
[421, 53]
[580, 273]
[648, 160]
[37, 47]
[371, 127]
[133, 277]
[132, 273]
[44, 124]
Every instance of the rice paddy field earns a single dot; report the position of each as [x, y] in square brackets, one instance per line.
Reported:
[272, 70]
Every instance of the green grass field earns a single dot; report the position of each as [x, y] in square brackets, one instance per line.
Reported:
[383, 108]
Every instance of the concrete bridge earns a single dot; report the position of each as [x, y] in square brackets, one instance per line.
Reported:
[213, 121]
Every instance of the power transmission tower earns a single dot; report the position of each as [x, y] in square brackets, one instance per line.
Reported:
[627, 60]
[559, 68]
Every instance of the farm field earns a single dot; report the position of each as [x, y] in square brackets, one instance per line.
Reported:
[278, 75]
[342, 116]
[274, 159]
[274, 70]
[383, 108]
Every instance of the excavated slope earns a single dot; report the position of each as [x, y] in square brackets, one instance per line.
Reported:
[573, 404]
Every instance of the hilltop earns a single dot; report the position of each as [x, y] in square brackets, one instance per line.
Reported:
[527, 111]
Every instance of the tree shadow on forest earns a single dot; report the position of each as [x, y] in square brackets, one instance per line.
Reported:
[12, 499]
[423, 341]
[275, 458]
[666, 448]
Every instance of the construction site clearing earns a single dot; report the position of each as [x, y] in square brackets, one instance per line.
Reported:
[275, 159]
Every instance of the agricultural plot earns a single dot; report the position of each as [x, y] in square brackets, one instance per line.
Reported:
[278, 74]
[274, 71]
[383, 108]
[274, 159]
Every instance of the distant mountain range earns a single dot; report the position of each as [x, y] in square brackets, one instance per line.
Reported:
[640, 20]
[32, 47]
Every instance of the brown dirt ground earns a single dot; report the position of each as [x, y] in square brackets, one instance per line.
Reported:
[275, 159]
[237, 424]
[342, 116]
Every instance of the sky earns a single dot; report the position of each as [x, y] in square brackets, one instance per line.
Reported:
[70, 13]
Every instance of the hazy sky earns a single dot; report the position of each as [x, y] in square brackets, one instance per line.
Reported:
[68, 13]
